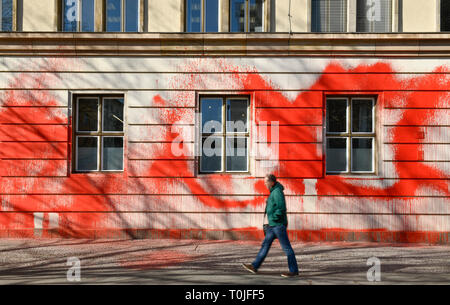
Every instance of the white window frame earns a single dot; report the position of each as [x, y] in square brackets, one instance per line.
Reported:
[99, 133]
[349, 135]
[224, 134]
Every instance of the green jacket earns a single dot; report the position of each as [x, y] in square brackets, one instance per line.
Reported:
[276, 206]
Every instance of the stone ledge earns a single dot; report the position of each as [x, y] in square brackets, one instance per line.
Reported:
[225, 44]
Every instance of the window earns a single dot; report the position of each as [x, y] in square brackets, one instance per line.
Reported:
[224, 134]
[350, 135]
[246, 15]
[99, 133]
[122, 15]
[374, 16]
[202, 15]
[6, 16]
[445, 15]
[329, 16]
[78, 15]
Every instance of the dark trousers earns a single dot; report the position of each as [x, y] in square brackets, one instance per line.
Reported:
[280, 233]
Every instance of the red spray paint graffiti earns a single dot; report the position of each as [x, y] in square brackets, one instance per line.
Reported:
[380, 77]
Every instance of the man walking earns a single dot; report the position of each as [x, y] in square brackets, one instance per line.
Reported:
[276, 214]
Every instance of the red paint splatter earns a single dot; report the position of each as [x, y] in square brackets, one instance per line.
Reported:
[363, 78]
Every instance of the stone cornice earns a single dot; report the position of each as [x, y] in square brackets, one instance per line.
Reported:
[225, 44]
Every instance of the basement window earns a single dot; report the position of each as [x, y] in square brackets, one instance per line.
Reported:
[224, 134]
[99, 133]
[350, 135]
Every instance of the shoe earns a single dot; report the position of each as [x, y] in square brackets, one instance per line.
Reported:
[249, 267]
[289, 274]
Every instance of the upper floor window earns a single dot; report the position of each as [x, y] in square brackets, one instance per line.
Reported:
[445, 15]
[224, 134]
[246, 15]
[350, 135]
[202, 15]
[78, 15]
[329, 16]
[6, 17]
[374, 16]
[122, 15]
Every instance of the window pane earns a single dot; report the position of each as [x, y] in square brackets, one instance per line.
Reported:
[337, 15]
[256, 15]
[336, 155]
[87, 15]
[113, 114]
[113, 15]
[87, 114]
[362, 154]
[211, 109]
[6, 18]
[131, 15]
[336, 115]
[70, 15]
[211, 154]
[211, 15]
[112, 153]
[237, 16]
[236, 152]
[445, 15]
[362, 116]
[373, 16]
[236, 115]
[87, 153]
[328, 15]
[194, 16]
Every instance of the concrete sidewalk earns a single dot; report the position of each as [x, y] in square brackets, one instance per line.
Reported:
[44, 261]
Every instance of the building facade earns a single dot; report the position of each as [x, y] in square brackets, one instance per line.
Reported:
[157, 119]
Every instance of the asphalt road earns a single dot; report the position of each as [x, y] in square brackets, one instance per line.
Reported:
[185, 262]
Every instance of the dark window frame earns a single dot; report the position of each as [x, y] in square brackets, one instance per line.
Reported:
[247, 17]
[328, 17]
[14, 12]
[202, 17]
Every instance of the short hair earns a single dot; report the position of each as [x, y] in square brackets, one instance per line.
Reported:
[271, 177]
